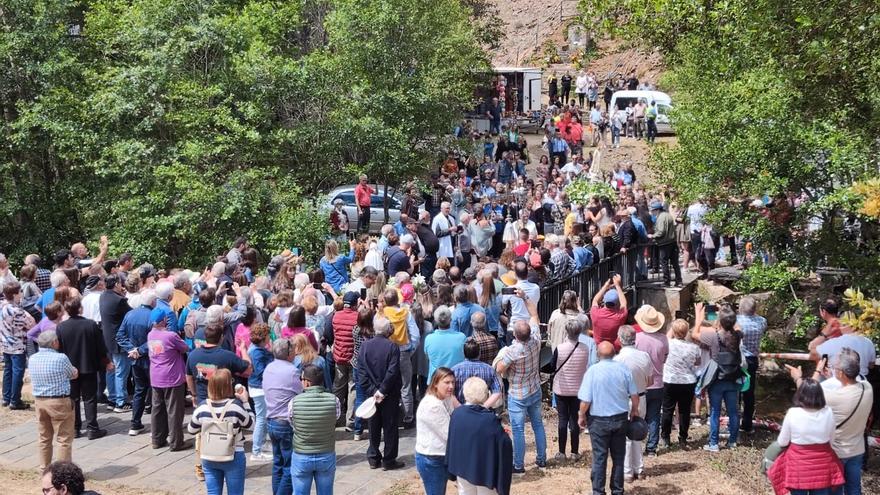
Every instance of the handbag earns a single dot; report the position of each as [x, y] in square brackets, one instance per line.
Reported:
[557, 368]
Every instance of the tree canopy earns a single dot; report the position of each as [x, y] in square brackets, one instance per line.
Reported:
[174, 126]
[772, 97]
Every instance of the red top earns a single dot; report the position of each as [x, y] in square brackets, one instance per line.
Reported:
[605, 324]
[343, 340]
[522, 249]
[362, 194]
[805, 467]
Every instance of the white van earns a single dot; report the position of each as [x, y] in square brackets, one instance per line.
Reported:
[622, 99]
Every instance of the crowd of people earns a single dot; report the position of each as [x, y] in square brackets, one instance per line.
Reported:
[432, 324]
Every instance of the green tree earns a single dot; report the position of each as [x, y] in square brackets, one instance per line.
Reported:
[771, 98]
[411, 69]
[175, 126]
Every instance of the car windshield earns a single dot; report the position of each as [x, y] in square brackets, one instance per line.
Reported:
[347, 197]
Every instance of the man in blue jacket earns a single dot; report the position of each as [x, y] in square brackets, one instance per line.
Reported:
[132, 340]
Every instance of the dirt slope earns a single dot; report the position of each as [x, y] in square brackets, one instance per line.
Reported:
[530, 24]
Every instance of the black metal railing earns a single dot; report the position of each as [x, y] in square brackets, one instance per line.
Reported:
[589, 281]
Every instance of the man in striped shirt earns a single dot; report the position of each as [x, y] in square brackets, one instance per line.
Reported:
[521, 364]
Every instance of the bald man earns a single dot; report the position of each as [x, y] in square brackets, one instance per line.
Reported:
[605, 395]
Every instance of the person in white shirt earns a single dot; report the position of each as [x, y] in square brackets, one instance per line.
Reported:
[90, 301]
[572, 168]
[581, 84]
[432, 430]
[444, 227]
[851, 340]
[525, 223]
[811, 421]
[639, 364]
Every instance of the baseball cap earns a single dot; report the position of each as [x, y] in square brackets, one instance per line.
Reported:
[157, 316]
[350, 299]
[611, 297]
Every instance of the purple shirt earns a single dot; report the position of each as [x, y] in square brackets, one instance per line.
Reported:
[44, 325]
[167, 358]
[280, 385]
[657, 346]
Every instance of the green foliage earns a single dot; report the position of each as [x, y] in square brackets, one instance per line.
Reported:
[581, 190]
[772, 97]
[807, 321]
[776, 278]
[174, 126]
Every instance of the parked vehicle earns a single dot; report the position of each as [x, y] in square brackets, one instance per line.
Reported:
[622, 99]
[377, 210]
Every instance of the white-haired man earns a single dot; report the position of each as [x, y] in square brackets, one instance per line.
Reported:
[164, 294]
[639, 364]
[444, 228]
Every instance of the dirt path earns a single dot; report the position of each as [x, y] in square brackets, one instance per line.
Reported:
[631, 151]
[674, 472]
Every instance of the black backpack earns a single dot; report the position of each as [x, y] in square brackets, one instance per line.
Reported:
[729, 363]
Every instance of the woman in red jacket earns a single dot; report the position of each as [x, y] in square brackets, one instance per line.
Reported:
[808, 466]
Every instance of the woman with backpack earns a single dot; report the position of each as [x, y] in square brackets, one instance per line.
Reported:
[220, 423]
[724, 376]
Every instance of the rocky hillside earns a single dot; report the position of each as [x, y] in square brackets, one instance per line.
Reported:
[536, 28]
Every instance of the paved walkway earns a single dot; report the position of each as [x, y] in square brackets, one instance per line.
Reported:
[131, 461]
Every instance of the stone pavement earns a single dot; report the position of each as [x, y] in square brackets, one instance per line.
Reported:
[131, 461]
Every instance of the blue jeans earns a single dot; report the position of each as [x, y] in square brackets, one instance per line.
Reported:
[259, 423]
[653, 402]
[230, 472]
[615, 134]
[117, 389]
[359, 397]
[281, 436]
[518, 410]
[852, 475]
[13, 377]
[820, 491]
[432, 469]
[729, 392]
[306, 467]
[608, 436]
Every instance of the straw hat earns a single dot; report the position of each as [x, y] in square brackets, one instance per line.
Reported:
[649, 319]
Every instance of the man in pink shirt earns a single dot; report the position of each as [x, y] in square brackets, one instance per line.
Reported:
[608, 317]
[362, 197]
